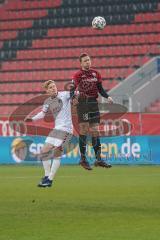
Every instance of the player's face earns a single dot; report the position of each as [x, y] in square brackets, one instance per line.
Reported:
[52, 89]
[86, 63]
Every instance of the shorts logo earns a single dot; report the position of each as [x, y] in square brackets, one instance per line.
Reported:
[85, 116]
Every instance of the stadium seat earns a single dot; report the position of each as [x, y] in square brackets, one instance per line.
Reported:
[8, 35]
[6, 110]
[18, 5]
[14, 25]
[20, 15]
[43, 40]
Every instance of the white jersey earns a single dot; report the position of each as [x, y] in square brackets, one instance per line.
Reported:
[60, 107]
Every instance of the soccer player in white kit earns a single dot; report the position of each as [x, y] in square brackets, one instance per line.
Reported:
[59, 104]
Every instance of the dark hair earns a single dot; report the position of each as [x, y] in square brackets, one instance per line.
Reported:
[82, 56]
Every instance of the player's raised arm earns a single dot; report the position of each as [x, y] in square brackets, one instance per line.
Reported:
[73, 88]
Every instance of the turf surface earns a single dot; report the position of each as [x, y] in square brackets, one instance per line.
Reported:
[121, 203]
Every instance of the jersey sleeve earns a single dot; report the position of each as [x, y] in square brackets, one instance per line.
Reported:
[45, 108]
[67, 94]
[99, 78]
[46, 105]
[75, 80]
[38, 116]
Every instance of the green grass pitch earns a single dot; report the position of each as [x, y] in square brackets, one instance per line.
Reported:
[121, 203]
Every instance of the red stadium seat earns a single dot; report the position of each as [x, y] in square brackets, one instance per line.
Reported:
[8, 35]
[116, 51]
[10, 25]
[23, 14]
[1, 44]
[17, 5]
[7, 110]
[147, 17]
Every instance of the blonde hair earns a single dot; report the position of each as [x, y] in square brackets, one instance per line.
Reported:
[47, 83]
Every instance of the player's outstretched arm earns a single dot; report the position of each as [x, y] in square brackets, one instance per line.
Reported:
[38, 116]
[28, 119]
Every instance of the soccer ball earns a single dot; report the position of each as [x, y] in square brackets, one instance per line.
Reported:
[98, 22]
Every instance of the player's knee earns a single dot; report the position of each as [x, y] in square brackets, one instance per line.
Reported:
[46, 153]
[84, 129]
[58, 151]
[94, 134]
[46, 148]
[83, 132]
[94, 131]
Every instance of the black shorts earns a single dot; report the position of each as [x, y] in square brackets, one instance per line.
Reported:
[88, 110]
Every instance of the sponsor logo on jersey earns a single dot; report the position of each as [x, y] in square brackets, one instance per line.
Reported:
[90, 80]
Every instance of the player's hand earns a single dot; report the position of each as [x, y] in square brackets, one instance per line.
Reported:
[109, 100]
[75, 101]
[28, 119]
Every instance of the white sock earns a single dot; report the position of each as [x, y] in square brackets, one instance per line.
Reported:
[55, 165]
[47, 167]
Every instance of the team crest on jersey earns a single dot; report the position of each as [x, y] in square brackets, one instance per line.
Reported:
[94, 74]
[83, 76]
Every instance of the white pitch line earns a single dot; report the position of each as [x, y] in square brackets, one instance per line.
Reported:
[75, 176]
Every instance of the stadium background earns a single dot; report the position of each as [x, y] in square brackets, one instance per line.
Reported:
[42, 39]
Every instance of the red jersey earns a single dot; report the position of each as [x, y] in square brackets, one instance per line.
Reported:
[86, 82]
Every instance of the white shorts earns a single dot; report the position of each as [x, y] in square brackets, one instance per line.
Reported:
[59, 138]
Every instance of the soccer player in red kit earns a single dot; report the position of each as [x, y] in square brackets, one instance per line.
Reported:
[88, 82]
